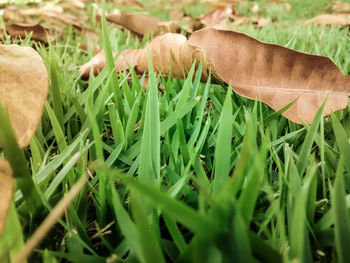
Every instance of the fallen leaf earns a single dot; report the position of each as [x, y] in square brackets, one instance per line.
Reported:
[24, 85]
[341, 20]
[7, 183]
[128, 3]
[126, 59]
[137, 23]
[270, 73]
[167, 52]
[40, 10]
[216, 17]
[274, 74]
[141, 24]
[15, 16]
[65, 18]
[98, 63]
[39, 33]
[256, 21]
[176, 15]
[340, 7]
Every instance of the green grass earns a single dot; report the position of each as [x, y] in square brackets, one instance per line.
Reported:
[194, 173]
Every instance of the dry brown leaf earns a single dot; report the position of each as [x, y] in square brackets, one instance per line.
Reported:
[7, 183]
[127, 59]
[128, 3]
[273, 74]
[341, 20]
[340, 7]
[39, 33]
[40, 10]
[98, 63]
[167, 51]
[176, 15]
[137, 23]
[141, 24]
[256, 21]
[270, 73]
[217, 17]
[65, 18]
[24, 85]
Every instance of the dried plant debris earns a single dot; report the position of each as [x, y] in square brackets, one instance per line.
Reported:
[24, 85]
[270, 73]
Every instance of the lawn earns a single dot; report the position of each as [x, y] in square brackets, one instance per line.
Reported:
[182, 170]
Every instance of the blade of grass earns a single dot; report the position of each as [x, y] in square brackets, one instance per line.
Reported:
[223, 146]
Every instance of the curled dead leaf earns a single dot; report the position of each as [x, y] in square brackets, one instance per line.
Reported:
[7, 183]
[217, 17]
[137, 23]
[141, 24]
[270, 73]
[38, 32]
[341, 20]
[98, 62]
[24, 85]
[125, 60]
[274, 74]
[340, 7]
[167, 52]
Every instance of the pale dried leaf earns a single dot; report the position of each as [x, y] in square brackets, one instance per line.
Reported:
[65, 18]
[38, 32]
[169, 51]
[341, 20]
[217, 17]
[142, 24]
[137, 23]
[340, 7]
[24, 85]
[127, 59]
[98, 63]
[270, 73]
[6, 189]
[273, 74]
[40, 10]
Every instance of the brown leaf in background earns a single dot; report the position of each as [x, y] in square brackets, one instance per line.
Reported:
[270, 73]
[274, 74]
[340, 7]
[24, 85]
[7, 183]
[341, 20]
[217, 17]
[137, 23]
[141, 24]
[22, 30]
